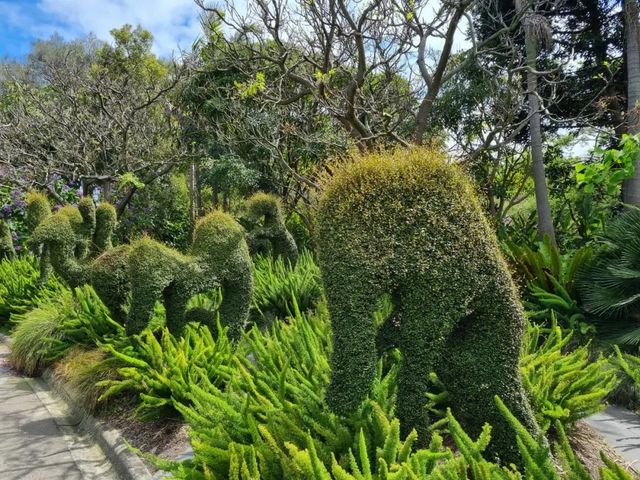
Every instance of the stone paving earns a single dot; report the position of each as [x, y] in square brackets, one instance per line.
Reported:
[38, 439]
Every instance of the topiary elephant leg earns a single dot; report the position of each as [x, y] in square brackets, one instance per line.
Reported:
[45, 264]
[481, 361]
[352, 301]
[427, 317]
[236, 302]
[143, 301]
[175, 303]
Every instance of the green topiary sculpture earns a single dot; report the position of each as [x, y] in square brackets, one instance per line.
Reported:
[409, 225]
[37, 210]
[267, 232]
[219, 256]
[63, 236]
[106, 218]
[6, 241]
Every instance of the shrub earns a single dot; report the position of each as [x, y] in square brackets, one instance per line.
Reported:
[550, 278]
[163, 372]
[21, 289]
[610, 286]
[563, 385]
[85, 323]
[277, 283]
[33, 333]
[82, 371]
[627, 392]
[268, 233]
[408, 224]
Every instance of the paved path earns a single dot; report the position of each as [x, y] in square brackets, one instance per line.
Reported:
[37, 437]
[621, 428]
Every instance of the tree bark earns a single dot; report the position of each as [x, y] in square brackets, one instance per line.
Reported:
[631, 187]
[545, 220]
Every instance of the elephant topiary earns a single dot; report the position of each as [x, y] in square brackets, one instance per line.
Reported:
[409, 225]
[7, 249]
[267, 232]
[219, 257]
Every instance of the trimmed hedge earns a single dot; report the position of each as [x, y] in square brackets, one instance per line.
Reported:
[219, 256]
[6, 241]
[268, 232]
[408, 224]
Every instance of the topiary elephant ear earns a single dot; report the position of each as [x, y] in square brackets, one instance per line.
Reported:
[7, 249]
[267, 231]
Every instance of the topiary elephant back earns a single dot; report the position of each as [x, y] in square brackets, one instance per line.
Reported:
[408, 225]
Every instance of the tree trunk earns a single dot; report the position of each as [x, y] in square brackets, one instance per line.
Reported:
[194, 193]
[545, 221]
[631, 187]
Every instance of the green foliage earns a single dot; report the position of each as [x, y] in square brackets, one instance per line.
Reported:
[267, 232]
[219, 257]
[6, 241]
[81, 370]
[34, 331]
[21, 289]
[610, 286]
[615, 167]
[564, 385]
[408, 224]
[85, 323]
[164, 371]
[550, 278]
[160, 210]
[278, 284]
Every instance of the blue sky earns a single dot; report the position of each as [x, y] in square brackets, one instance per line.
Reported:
[173, 22]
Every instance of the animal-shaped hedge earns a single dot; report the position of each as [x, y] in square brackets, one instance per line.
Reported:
[267, 232]
[7, 249]
[219, 256]
[77, 242]
[409, 225]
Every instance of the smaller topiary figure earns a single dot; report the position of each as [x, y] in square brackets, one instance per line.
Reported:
[37, 210]
[6, 241]
[108, 274]
[106, 218]
[62, 236]
[69, 235]
[219, 257]
[267, 232]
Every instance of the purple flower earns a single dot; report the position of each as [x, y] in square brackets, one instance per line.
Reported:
[18, 248]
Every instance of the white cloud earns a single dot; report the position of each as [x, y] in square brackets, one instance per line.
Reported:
[174, 23]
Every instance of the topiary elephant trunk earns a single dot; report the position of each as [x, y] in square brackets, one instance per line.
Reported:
[409, 225]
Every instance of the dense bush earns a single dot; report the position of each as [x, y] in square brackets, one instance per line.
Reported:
[161, 210]
[21, 289]
[563, 385]
[277, 284]
[408, 224]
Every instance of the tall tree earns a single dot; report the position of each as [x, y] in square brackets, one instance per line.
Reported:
[631, 188]
[92, 112]
[536, 32]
